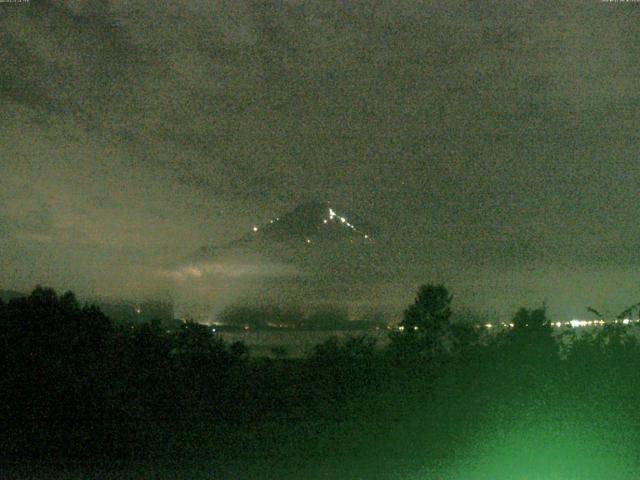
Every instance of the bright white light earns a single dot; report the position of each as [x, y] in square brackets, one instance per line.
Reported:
[308, 240]
[343, 220]
[255, 229]
[577, 323]
[488, 325]
[401, 328]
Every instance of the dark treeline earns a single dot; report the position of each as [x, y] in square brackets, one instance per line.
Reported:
[75, 385]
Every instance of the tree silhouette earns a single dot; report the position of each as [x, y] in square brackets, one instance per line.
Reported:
[425, 326]
[531, 338]
[279, 351]
[532, 320]
[351, 349]
[239, 350]
[431, 310]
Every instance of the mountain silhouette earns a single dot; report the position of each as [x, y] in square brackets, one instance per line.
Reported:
[313, 253]
[307, 225]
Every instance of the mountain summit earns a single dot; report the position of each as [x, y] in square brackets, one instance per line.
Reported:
[309, 254]
[308, 222]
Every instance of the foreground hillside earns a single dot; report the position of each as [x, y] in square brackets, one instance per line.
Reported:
[82, 397]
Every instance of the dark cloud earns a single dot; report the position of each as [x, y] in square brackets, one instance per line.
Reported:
[36, 221]
[484, 140]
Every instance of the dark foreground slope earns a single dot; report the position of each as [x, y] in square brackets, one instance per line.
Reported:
[84, 399]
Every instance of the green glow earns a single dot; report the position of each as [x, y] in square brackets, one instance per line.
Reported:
[548, 449]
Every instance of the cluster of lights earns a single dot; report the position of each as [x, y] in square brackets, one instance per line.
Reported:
[572, 323]
[333, 215]
[272, 221]
[492, 325]
[597, 323]
[401, 328]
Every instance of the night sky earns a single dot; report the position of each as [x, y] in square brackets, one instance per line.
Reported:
[492, 145]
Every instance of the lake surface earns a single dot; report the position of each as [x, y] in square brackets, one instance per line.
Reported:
[296, 343]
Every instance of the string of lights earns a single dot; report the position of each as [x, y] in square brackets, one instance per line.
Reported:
[332, 217]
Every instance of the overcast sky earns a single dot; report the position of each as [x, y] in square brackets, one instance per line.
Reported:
[493, 144]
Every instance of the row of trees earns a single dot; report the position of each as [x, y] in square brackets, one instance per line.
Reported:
[74, 383]
[71, 380]
[426, 330]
